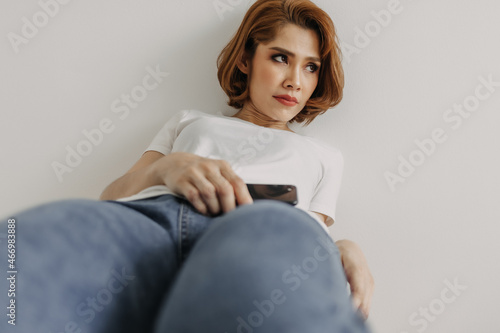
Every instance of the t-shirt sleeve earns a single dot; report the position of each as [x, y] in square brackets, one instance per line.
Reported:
[164, 139]
[325, 197]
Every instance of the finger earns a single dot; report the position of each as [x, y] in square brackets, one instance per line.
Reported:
[366, 303]
[365, 310]
[358, 291]
[356, 301]
[241, 193]
[361, 291]
[191, 194]
[359, 306]
[207, 193]
[243, 197]
[225, 192]
[240, 188]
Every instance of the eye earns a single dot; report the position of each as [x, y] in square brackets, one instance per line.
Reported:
[312, 68]
[281, 58]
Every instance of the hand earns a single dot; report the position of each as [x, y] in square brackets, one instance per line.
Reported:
[210, 185]
[358, 275]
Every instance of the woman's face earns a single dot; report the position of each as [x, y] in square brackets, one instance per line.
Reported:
[284, 73]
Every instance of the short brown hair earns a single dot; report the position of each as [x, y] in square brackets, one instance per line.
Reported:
[261, 25]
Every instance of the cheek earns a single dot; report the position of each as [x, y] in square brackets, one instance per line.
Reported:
[263, 83]
[267, 75]
[312, 83]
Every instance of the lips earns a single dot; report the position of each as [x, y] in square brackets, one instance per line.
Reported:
[286, 100]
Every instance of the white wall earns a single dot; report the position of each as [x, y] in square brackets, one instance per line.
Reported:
[440, 224]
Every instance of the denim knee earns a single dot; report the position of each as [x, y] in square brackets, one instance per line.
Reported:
[267, 222]
[265, 213]
[58, 210]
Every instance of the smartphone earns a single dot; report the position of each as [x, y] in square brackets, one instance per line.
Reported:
[285, 193]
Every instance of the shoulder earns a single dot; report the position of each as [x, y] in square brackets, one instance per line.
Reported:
[189, 114]
[186, 116]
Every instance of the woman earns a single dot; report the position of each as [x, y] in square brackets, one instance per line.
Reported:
[177, 243]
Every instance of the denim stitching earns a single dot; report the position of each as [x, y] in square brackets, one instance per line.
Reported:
[183, 230]
[179, 231]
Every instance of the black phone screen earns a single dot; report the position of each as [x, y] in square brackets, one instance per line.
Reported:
[285, 193]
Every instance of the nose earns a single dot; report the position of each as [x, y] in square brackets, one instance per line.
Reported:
[292, 80]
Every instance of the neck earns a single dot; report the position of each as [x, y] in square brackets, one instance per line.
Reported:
[258, 118]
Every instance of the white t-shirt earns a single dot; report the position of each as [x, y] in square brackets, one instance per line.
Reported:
[257, 154]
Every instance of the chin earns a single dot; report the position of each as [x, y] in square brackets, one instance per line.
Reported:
[281, 115]
[287, 114]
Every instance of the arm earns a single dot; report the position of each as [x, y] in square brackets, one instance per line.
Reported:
[328, 221]
[358, 275]
[210, 185]
[139, 177]
[357, 272]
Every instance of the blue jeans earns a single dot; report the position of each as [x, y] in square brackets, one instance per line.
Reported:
[157, 265]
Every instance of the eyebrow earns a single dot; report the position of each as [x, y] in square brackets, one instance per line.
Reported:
[291, 54]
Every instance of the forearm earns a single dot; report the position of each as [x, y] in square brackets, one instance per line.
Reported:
[131, 183]
[348, 250]
[358, 274]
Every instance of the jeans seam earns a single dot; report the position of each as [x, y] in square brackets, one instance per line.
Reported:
[183, 231]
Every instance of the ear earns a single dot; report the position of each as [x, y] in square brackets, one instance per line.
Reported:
[243, 63]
